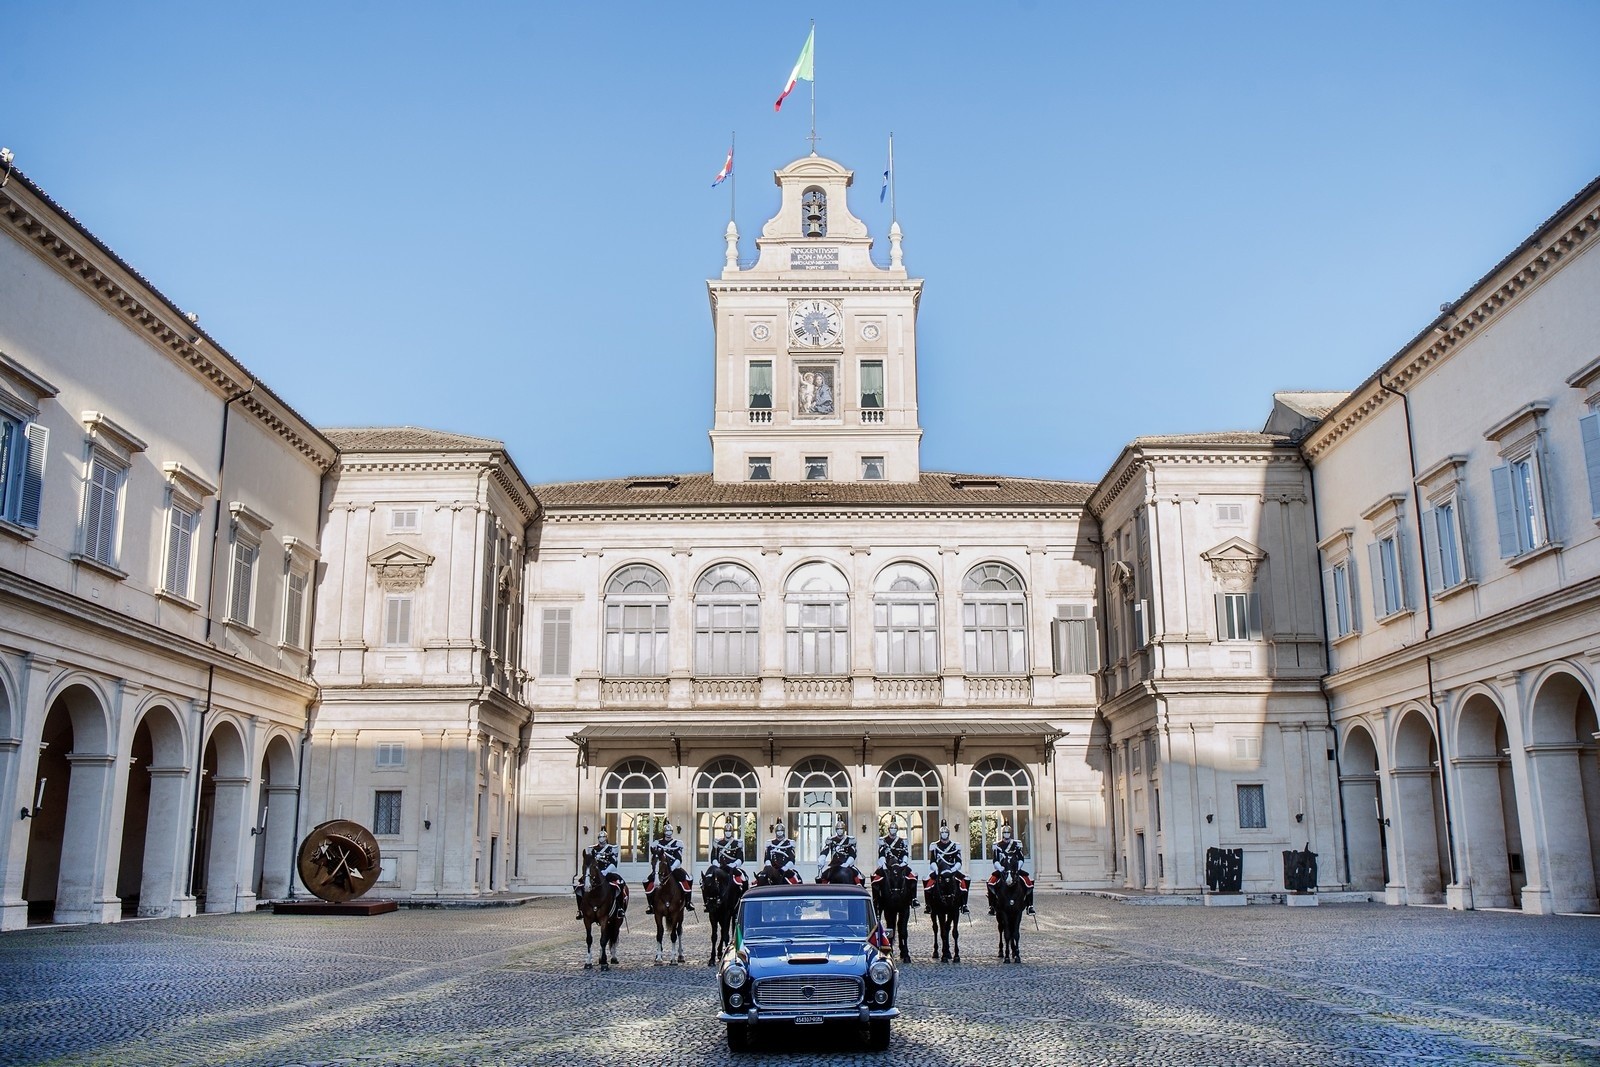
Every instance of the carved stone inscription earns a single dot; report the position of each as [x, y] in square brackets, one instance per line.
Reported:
[814, 258]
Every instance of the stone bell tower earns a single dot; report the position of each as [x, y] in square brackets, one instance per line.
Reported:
[816, 345]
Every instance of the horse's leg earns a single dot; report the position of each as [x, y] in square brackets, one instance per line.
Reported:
[660, 933]
[588, 946]
[955, 933]
[905, 935]
[616, 935]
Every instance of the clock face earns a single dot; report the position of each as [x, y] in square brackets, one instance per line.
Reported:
[815, 324]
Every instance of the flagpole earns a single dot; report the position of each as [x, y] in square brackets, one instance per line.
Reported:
[733, 177]
[894, 216]
[813, 86]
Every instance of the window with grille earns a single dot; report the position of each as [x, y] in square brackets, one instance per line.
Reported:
[817, 621]
[397, 621]
[636, 623]
[1230, 514]
[1252, 807]
[181, 524]
[905, 614]
[386, 811]
[101, 495]
[555, 643]
[727, 623]
[994, 635]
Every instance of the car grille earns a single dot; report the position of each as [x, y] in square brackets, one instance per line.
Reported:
[816, 991]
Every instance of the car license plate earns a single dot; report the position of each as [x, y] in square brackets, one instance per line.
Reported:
[808, 1020]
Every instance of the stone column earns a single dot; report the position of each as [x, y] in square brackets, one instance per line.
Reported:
[23, 758]
[1418, 837]
[1485, 876]
[228, 855]
[164, 841]
[277, 864]
[1565, 862]
[84, 844]
[1360, 795]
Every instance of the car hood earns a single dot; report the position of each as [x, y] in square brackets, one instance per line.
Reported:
[768, 958]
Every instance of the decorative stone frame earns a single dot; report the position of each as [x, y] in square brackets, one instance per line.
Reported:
[189, 491]
[1338, 550]
[300, 557]
[399, 568]
[1521, 436]
[248, 527]
[116, 446]
[1441, 484]
[1385, 515]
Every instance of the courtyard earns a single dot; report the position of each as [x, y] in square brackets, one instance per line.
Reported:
[1102, 982]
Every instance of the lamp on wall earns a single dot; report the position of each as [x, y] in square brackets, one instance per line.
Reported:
[38, 802]
[1210, 817]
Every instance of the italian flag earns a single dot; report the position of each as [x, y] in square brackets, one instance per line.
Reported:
[802, 69]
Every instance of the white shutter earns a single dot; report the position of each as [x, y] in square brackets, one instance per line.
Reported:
[33, 476]
[1433, 558]
[1380, 606]
[1505, 511]
[294, 609]
[555, 644]
[244, 574]
[1252, 613]
[180, 539]
[397, 621]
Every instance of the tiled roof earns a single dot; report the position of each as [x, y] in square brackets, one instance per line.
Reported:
[699, 490]
[1311, 405]
[408, 439]
[1223, 437]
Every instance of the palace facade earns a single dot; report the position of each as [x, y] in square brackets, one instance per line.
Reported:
[1370, 628]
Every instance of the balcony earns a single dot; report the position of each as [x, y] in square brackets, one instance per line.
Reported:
[633, 691]
[1005, 689]
[816, 690]
[743, 691]
[908, 690]
[760, 416]
[872, 415]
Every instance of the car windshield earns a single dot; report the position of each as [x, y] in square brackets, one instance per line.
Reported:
[802, 917]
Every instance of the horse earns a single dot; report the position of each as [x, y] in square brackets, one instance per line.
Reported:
[943, 898]
[836, 873]
[1010, 898]
[720, 892]
[598, 903]
[771, 875]
[894, 892]
[669, 902]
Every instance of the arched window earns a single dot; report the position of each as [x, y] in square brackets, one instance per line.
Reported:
[814, 212]
[905, 621]
[993, 609]
[727, 625]
[636, 623]
[818, 792]
[633, 807]
[816, 611]
[998, 794]
[908, 792]
[722, 788]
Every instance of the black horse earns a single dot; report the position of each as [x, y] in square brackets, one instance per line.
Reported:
[720, 892]
[599, 905]
[770, 875]
[944, 896]
[1010, 896]
[670, 901]
[836, 873]
[894, 891]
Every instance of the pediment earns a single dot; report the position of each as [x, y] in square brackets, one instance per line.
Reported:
[1234, 548]
[400, 567]
[1234, 564]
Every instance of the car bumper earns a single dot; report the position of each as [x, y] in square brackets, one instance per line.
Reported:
[861, 1015]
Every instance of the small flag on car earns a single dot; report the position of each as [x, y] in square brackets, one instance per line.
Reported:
[879, 938]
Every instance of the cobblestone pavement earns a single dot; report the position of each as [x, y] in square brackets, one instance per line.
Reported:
[1101, 983]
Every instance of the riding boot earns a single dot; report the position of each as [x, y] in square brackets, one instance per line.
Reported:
[1030, 901]
[577, 895]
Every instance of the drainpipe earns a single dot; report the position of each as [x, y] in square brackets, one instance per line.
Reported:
[1327, 659]
[1427, 605]
[1104, 634]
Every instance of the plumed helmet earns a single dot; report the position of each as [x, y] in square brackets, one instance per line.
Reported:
[600, 836]
[840, 826]
[944, 831]
[1005, 832]
[666, 831]
[892, 828]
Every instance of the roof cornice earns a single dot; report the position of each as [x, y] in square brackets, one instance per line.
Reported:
[1570, 231]
[48, 231]
[559, 516]
[1136, 458]
[499, 464]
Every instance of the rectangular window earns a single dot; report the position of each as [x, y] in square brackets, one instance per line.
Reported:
[181, 524]
[1519, 506]
[1155, 807]
[404, 520]
[1385, 558]
[1344, 616]
[1589, 430]
[22, 448]
[817, 636]
[294, 609]
[872, 384]
[1230, 514]
[555, 643]
[397, 621]
[1247, 749]
[102, 491]
[760, 469]
[386, 811]
[761, 384]
[1073, 640]
[1252, 807]
[1238, 617]
[816, 468]
[1140, 610]
[242, 584]
[872, 468]
[1441, 543]
[391, 756]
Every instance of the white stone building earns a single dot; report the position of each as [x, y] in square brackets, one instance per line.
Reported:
[1240, 640]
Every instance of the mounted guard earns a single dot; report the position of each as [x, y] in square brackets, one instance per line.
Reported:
[836, 862]
[727, 852]
[946, 859]
[670, 846]
[894, 853]
[605, 857]
[1009, 855]
[778, 858]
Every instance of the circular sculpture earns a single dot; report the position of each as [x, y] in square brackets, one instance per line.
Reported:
[339, 860]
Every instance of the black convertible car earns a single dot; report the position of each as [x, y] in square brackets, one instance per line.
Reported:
[806, 955]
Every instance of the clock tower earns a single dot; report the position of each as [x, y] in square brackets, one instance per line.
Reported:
[815, 345]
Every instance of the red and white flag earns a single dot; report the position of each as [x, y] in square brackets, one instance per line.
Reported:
[727, 169]
[879, 938]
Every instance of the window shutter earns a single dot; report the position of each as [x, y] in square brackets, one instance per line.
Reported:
[397, 621]
[1589, 428]
[555, 647]
[33, 476]
[1091, 644]
[1253, 614]
[294, 610]
[180, 531]
[1375, 563]
[1221, 600]
[1141, 623]
[244, 572]
[1330, 599]
[1505, 511]
[1059, 652]
[1402, 568]
[1433, 559]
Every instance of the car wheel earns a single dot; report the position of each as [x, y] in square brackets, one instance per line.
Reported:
[878, 1035]
[738, 1037]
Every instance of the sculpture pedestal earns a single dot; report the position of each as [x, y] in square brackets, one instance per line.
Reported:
[1300, 900]
[1226, 900]
[323, 907]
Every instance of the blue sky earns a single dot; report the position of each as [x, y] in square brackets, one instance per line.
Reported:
[496, 218]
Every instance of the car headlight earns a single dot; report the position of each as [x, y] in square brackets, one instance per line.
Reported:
[880, 972]
[734, 976]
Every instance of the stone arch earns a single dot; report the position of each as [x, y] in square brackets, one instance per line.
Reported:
[155, 811]
[726, 787]
[73, 782]
[219, 842]
[910, 791]
[1365, 819]
[1564, 780]
[273, 827]
[1488, 822]
[1422, 846]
